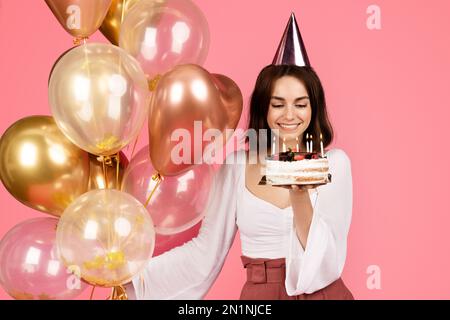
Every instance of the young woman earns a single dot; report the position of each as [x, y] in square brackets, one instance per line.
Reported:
[294, 240]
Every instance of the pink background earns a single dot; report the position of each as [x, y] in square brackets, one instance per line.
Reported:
[387, 94]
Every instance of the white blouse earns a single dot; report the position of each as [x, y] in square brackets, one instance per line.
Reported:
[266, 231]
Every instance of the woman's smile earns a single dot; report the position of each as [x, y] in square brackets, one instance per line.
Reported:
[289, 126]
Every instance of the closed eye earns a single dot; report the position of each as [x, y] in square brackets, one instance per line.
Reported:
[277, 105]
[300, 106]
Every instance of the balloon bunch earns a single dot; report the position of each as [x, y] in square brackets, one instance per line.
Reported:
[112, 215]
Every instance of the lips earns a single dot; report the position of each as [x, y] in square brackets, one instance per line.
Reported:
[289, 126]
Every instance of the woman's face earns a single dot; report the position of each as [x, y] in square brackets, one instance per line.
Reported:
[290, 109]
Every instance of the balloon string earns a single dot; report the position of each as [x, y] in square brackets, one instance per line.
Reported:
[92, 293]
[86, 66]
[134, 147]
[118, 293]
[155, 177]
[152, 83]
[124, 5]
[105, 175]
[117, 171]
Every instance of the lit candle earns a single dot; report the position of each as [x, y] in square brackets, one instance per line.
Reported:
[311, 143]
[298, 147]
[321, 145]
[284, 144]
[307, 143]
[273, 146]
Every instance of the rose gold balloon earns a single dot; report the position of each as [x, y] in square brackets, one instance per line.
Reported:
[97, 177]
[80, 18]
[186, 94]
[230, 95]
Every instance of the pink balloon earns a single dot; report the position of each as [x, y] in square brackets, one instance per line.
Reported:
[163, 34]
[165, 243]
[29, 264]
[179, 201]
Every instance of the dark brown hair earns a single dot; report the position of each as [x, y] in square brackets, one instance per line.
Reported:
[260, 100]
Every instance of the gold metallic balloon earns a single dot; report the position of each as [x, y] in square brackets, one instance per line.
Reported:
[99, 97]
[108, 235]
[80, 18]
[113, 172]
[114, 18]
[183, 95]
[40, 167]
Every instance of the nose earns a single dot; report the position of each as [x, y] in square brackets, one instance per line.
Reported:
[289, 115]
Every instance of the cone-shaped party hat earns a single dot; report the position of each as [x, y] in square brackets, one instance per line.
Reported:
[291, 49]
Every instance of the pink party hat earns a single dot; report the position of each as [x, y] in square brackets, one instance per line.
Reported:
[291, 49]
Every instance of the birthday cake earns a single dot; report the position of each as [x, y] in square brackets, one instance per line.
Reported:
[292, 167]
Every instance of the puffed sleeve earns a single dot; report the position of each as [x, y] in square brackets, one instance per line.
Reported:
[188, 271]
[322, 261]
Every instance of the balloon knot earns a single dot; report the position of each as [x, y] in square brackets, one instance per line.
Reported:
[80, 40]
[153, 83]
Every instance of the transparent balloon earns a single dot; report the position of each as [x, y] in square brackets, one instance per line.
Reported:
[29, 264]
[108, 234]
[163, 34]
[99, 97]
[178, 202]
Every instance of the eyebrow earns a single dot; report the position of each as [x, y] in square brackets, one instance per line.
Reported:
[297, 99]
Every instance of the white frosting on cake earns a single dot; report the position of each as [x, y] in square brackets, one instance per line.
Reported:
[306, 171]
